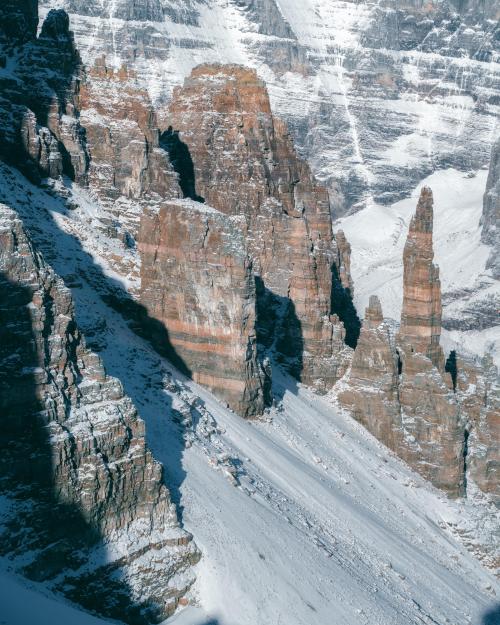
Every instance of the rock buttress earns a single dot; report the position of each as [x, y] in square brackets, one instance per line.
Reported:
[198, 281]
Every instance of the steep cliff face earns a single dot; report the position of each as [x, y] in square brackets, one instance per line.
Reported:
[231, 153]
[491, 211]
[128, 170]
[197, 279]
[421, 314]
[89, 513]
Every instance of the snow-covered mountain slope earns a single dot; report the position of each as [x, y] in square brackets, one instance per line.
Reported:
[471, 296]
[302, 519]
[377, 95]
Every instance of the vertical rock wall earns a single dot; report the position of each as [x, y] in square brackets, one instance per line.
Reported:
[197, 278]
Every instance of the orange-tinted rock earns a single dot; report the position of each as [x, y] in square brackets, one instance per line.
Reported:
[231, 153]
[422, 310]
[198, 281]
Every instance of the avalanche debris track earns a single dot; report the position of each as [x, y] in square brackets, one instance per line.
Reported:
[303, 517]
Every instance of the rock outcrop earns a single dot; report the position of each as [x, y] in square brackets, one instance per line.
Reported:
[421, 314]
[491, 211]
[442, 420]
[372, 390]
[88, 511]
[231, 153]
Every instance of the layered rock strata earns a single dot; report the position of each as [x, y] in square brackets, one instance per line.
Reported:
[442, 420]
[199, 281]
[422, 310]
[39, 127]
[231, 153]
[128, 170]
[89, 513]
[356, 82]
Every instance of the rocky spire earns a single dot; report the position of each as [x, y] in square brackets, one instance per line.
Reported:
[421, 314]
[371, 392]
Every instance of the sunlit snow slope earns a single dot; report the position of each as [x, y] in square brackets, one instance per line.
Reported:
[303, 519]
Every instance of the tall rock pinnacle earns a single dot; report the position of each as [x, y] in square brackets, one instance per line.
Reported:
[421, 314]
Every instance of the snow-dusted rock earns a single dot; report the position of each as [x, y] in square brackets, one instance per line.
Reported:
[88, 512]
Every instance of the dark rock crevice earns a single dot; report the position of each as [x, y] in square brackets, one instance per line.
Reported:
[451, 368]
[279, 331]
[182, 162]
[342, 305]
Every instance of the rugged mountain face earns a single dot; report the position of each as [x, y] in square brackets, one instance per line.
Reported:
[88, 512]
[127, 170]
[377, 97]
[39, 128]
[199, 282]
[394, 91]
[438, 418]
[231, 152]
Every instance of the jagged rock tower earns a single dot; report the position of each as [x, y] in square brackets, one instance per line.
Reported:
[422, 310]
[250, 271]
